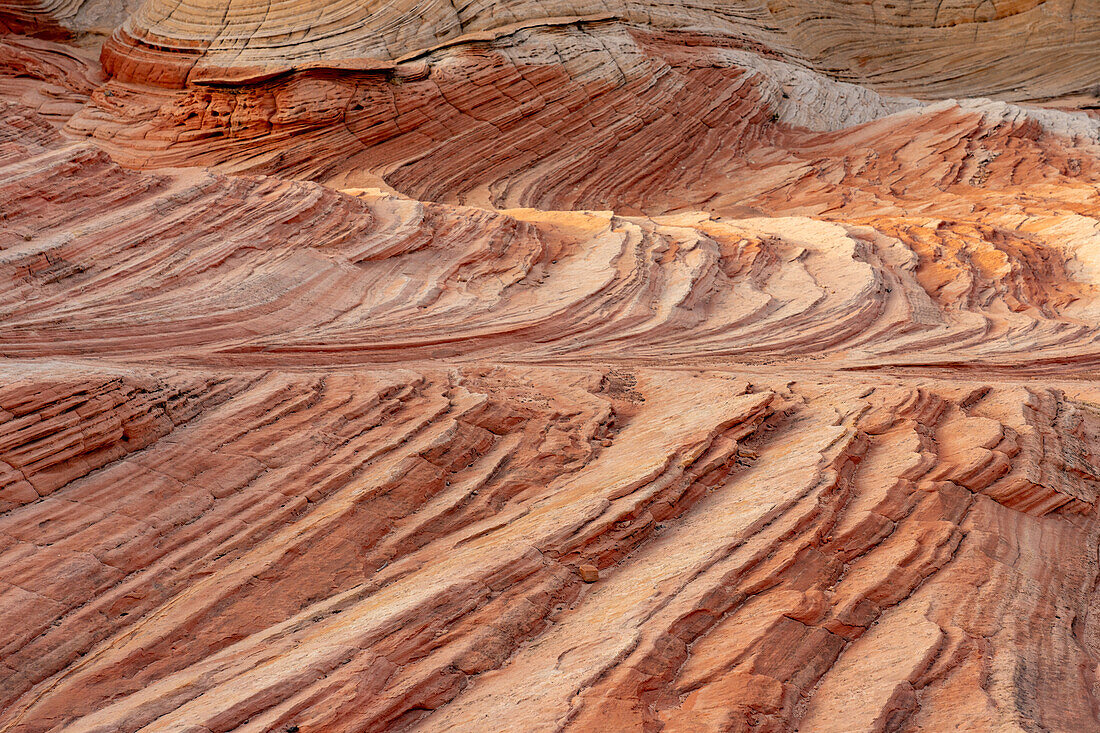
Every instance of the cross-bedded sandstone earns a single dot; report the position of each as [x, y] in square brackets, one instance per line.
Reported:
[548, 366]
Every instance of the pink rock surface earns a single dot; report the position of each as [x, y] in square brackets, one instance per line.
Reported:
[558, 369]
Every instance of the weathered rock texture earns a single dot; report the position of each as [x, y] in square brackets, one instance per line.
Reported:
[537, 366]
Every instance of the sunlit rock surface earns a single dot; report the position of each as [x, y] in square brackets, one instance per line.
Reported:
[343, 341]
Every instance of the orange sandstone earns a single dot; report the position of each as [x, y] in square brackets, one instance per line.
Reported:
[347, 346]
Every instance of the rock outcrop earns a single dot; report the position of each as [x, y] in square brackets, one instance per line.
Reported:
[549, 366]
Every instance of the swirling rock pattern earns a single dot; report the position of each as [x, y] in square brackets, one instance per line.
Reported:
[337, 338]
[936, 47]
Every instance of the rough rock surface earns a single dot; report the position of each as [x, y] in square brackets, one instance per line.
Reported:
[538, 366]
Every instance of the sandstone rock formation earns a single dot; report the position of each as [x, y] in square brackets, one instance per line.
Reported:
[534, 366]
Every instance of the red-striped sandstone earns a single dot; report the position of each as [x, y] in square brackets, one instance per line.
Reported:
[337, 342]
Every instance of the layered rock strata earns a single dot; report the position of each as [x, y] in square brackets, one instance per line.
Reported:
[549, 367]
